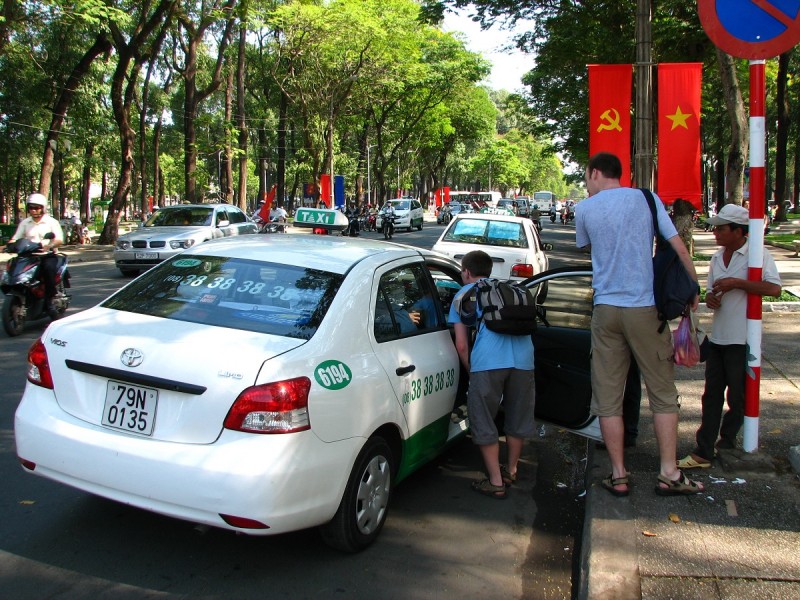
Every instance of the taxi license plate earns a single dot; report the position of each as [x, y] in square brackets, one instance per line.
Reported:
[146, 255]
[131, 408]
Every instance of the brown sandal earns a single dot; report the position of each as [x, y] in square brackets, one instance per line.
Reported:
[609, 482]
[682, 486]
[485, 487]
[509, 478]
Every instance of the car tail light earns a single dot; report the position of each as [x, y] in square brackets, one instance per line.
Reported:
[38, 367]
[278, 407]
[522, 270]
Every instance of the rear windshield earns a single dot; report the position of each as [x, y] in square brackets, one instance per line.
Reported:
[489, 233]
[239, 294]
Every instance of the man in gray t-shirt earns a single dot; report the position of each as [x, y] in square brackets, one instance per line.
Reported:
[615, 223]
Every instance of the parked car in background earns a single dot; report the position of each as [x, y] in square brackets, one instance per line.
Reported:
[523, 206]
[408, 213]
[173, 229]
[512, 242]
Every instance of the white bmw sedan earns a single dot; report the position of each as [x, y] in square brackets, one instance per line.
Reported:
[260, 384]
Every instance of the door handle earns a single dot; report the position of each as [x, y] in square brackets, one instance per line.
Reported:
[404, 370]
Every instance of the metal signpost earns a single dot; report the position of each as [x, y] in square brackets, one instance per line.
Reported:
[755, 30]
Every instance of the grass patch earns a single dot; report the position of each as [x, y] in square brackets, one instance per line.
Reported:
[784, 297]
[783, 238]
[701, 257]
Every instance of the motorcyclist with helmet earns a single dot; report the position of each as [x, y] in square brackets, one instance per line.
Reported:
[36, 228]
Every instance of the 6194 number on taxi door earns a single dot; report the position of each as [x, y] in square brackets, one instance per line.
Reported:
[130, 408]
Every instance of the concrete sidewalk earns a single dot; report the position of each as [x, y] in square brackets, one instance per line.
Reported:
[740, 539]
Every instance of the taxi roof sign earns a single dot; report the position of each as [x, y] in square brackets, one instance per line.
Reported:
[320, 217]
[752, 29]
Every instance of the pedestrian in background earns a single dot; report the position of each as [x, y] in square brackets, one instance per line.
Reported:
[625, 320]
[500, 367]
[727, 290]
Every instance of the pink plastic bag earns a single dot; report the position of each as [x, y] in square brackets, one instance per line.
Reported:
[687, 351]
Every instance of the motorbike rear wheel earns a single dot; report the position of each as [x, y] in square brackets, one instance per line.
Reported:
[13, 315]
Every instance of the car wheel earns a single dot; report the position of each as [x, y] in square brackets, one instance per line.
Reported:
[419, 227]
[365, 502]
[129, 272]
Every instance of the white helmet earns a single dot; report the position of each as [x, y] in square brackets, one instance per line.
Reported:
[37, 200]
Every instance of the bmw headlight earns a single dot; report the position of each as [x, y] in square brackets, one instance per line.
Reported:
[181, 244]
[123, 245]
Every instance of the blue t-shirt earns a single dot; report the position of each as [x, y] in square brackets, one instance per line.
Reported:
[494, 350]
[619, 226]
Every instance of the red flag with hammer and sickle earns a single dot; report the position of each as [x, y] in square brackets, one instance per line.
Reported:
[610, 113]
[679, 133]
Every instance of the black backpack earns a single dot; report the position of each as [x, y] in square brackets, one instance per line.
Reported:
[674, 288]
[506, 307]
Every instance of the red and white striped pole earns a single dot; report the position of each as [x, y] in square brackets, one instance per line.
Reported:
[756, 251]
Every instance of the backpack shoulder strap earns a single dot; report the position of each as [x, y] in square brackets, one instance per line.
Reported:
[651, 202]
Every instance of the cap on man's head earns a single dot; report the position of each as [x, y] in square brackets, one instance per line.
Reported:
[730, 213]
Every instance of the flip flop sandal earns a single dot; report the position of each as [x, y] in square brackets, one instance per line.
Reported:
[690, 462]
[485, 487]
[682, 486]
[508, 477]
[609, 482]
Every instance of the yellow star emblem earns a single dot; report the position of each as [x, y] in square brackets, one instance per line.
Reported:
[679, 119]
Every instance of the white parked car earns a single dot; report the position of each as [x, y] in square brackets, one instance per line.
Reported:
[276, 383]
[512, 242]
[172, 229]
[408, 213]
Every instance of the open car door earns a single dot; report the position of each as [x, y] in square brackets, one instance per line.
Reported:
[562, 344]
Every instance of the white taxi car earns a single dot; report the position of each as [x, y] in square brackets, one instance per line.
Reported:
[408, 213]
[263, 384]
[513, 243]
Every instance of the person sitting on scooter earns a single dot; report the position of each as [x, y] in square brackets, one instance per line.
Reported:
[35, 229]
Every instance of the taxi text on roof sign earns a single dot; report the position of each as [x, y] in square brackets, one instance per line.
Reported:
[318, 217]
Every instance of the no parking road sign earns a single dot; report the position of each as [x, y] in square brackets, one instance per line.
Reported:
[753, 29]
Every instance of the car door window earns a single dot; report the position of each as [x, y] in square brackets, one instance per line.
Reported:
[405, 304]
[236, 216]
[566, 301]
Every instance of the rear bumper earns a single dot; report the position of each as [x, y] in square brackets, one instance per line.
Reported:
[287, 482]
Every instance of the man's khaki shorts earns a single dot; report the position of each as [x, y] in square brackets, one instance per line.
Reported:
[618, 333]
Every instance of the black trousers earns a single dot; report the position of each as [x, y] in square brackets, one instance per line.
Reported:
[725, 370]
[47, 270]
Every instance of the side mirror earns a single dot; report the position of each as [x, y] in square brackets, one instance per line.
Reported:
[548, 247]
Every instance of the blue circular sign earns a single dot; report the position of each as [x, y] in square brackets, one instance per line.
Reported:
[753, 29]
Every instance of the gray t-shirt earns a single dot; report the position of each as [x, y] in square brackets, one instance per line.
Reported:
[618, 224]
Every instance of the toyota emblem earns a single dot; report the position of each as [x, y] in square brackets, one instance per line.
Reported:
[131, 357]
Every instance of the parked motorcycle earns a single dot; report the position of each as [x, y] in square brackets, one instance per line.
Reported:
[24, 288]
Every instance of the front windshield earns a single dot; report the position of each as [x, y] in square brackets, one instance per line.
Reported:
[181, 216]
[401, 204]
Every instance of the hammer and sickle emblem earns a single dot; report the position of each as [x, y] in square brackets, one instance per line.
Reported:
[610, 123]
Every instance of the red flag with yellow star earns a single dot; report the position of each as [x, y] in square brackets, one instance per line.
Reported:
[679, 132]
[610, 113]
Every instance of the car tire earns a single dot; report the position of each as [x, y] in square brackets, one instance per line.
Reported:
[365, 503]
[419, 227]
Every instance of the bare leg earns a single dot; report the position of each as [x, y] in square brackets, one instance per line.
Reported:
[613, 430]
[666, 426]
[491, 459]
[514, 445]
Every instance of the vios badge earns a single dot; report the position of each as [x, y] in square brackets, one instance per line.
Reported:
[131, 357]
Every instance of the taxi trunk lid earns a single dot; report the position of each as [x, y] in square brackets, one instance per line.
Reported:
[139, 381]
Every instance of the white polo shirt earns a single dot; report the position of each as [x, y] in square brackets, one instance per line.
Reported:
[730, 319]
[35, 232]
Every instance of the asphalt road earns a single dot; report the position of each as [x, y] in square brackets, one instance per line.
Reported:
[440, 538]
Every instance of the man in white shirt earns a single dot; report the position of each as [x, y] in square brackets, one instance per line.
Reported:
[727, 290]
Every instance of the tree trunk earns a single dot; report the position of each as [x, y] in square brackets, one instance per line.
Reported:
[226, 185]
[781, 144]
[87, 183]
[740, 130]
[643, 157]
[241, 121]
[61, 107]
